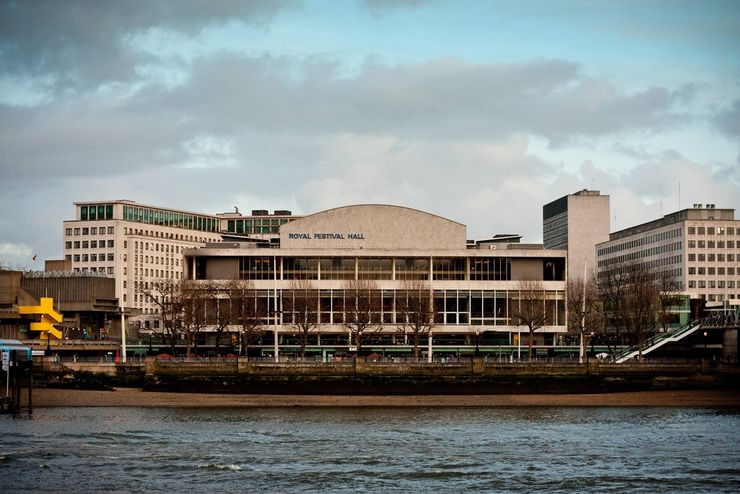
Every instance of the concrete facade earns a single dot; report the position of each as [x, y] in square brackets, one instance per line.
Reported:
[474, 290]
[577, 222]
[698, 248]
[144, 243]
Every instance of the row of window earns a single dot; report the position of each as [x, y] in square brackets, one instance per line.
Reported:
[170, 218]
[171, 236]
[93, 269]
[157, 247]
[96, 212]
[632, 256]
[89, 230]
[712, 270]
[89, 244]
[255, 226]
[712, 257]
[711, 230]
[92, 257]
[711, 244]
[293, 268]
[638, 242]
[711, 284]
[165, 261]
[449, 307]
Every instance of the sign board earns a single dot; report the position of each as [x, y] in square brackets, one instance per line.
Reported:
[6, 360]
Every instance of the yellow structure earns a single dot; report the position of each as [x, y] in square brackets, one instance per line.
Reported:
[48, 317]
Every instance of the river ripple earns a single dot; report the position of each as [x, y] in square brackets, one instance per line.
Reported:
[371, 449]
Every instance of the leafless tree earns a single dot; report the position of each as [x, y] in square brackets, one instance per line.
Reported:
[219, 309]
[415, 311]
[362, 304]
[628, 299]
[583, 316]
[166, 295]
[248, 313]
[195, 298]
[301, 309]
[529, 310]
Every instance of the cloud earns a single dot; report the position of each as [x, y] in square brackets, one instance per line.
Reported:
[15, 256]
[230, 101]
[445, 97]
[727, 121]
[82, 44]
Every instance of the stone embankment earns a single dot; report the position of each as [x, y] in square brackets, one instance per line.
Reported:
[359, 377]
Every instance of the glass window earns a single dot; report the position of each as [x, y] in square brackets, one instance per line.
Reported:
[412, 268]
[68, 231]
[77, 231]
[700, 230]
[256, 268]
[449, 268]
[490, 268]
[85, 231]
[110, 230]
[375, 269]
[297, 268]
[85, 244]
[77, 258]
[68, 245]
[94, 230]
[337, 268]
[77, 244]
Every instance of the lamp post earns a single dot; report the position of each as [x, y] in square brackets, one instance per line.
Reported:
[477, 339]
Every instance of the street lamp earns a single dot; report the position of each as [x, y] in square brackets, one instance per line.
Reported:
[477, 338]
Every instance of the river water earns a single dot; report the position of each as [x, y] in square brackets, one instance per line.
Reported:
[371, 449]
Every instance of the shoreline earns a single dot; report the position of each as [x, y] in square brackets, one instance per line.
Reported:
[135, 397]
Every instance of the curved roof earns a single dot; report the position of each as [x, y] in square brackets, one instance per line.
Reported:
[373, 226]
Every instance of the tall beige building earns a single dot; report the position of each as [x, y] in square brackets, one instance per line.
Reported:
[699, 248]
[144, 243]
[576, 223]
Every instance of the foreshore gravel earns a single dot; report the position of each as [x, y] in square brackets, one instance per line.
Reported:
[134, 397]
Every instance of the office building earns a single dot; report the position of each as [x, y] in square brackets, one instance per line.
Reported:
[576, 223]
[144, 243]
[698, 248]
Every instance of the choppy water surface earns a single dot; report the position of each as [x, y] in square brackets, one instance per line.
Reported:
[371, 449]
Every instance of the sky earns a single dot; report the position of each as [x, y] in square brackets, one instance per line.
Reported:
[478, 111]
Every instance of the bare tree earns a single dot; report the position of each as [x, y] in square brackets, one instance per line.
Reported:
[166, 295]
[415, 311]
[195, 298]
[530, 309]
[219, 309]
[628, 299]
[642, 302]
[301, 309]
[582, 312]
[248, 313]
[362, 306]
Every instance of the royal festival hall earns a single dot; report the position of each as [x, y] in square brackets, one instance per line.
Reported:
[475, 289]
